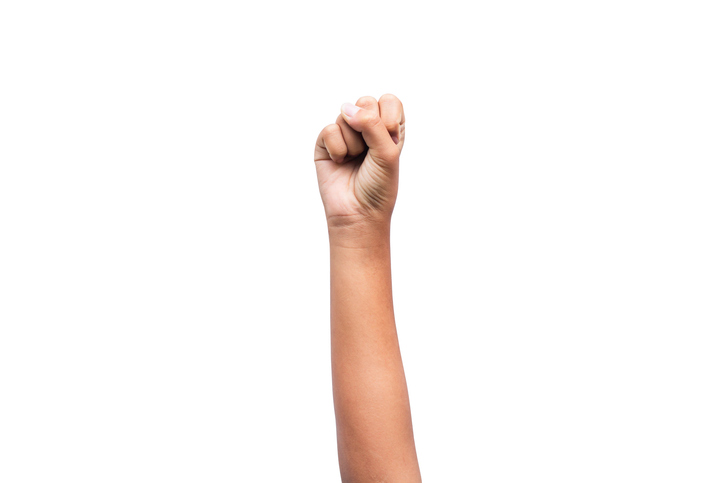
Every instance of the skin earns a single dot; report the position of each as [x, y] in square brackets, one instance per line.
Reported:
[357, 161]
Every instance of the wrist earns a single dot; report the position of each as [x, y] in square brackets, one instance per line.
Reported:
[360, 234]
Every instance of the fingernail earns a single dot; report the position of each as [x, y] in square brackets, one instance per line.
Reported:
[395, 139]
[350, 109]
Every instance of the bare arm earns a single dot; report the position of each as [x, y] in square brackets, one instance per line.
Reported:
[357, 163]
[374, 427]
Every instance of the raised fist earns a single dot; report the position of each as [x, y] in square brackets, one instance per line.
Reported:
[357, 161]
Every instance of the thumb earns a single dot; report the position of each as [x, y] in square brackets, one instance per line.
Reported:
[368, 122]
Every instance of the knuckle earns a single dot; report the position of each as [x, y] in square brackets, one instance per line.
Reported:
[390, 98]
[369, 118]
[366, 100]
[329, 130]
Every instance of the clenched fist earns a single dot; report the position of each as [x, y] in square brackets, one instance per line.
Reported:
[357, 161]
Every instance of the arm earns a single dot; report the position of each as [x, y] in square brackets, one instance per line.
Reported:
[374, 427]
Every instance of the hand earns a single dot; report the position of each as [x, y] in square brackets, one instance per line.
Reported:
[357, 161]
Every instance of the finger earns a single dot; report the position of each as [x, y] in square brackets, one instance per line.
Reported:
[355, 143]
[331, 141]
[368, 122]
[392, 115]
[367, 102]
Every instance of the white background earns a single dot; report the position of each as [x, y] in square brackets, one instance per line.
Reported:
[557, 243]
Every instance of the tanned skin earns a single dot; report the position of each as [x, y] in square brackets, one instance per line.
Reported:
[357, 161]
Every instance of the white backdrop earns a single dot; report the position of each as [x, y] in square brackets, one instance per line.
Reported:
[557, 242]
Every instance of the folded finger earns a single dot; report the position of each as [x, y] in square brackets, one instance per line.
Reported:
[332, 140]
[393, 116]
[355, 143]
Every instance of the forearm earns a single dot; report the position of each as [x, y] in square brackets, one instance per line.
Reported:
[374, 428]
